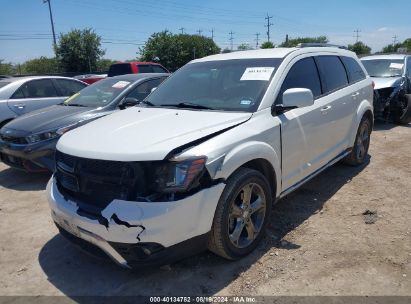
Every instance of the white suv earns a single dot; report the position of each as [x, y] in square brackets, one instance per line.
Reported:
[199, 164]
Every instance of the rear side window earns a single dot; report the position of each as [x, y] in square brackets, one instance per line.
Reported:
[159, 69]
[332, 73]
[144, 89]
[119, 69]
[145, 68]
[354, 71]
[41, 88]
[69, 87]
[303, 74]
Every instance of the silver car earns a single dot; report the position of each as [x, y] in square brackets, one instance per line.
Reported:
[20, 95]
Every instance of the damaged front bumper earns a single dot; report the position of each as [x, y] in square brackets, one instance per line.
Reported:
[141, 233]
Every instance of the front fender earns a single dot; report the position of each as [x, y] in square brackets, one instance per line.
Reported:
[246, 152]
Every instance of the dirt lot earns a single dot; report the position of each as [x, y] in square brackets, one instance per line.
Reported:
[318, 242]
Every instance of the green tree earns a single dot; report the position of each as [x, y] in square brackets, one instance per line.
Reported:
[267, 45]
[393, 48]
[295, 41]
[174, 51]
[104, 64]
[41, 65]
[360, 48]
[6, 68]
[79, 50]
[244, 47]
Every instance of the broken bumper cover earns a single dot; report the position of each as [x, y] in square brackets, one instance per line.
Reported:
[133, 228]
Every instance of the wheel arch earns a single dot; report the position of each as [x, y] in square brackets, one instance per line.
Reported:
[364, 109]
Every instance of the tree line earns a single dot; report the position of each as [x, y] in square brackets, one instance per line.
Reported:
[80, 51]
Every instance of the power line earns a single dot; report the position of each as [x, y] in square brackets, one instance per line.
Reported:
[231, 39]
[256, 40]
[357, 35]
[268, 26]
[52, 23]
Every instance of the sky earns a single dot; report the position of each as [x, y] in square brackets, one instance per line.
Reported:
[124, 25]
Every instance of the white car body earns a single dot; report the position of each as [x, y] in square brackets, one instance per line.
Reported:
[293, 146]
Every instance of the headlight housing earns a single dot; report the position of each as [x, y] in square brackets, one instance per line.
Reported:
[49, 134]
[179, 176]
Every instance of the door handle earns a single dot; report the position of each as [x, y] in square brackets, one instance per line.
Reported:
[19, 106]
[355, 94]
[326, 108]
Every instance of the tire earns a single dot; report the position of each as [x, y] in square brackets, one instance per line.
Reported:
[403, 115]
[362, 143]
[230, 219]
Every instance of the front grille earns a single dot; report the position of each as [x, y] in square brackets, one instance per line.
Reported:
[95, 183]
[13, 140]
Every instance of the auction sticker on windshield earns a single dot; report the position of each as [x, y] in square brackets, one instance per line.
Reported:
[120, 84]
[397, 66]
[257, 73]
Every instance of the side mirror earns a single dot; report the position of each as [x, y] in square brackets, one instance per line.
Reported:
[298, 98]
[129, 102]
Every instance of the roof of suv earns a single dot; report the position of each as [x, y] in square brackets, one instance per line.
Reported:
[273, 53]
[386, 56]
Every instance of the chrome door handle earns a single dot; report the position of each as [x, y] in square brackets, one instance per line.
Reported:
[19, 106]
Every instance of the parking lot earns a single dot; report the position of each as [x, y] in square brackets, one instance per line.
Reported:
[318, 242]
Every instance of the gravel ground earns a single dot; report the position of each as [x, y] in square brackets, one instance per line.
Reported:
[319, 242]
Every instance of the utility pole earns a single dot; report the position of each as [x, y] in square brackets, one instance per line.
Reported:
[357, 35]
[199, 32]
[231, 39]
[394, 39]
[268, 26]
[182, 30]
[212, 34]
[52, 23]
[256, 40]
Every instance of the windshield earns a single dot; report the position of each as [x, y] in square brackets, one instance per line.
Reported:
[98, 94]
[384, 67]
[227, 85]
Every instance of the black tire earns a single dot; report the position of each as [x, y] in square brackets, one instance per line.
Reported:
[219, 241]
[402, 114]
[358, 153]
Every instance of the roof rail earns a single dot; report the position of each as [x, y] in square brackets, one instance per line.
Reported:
[303, 45]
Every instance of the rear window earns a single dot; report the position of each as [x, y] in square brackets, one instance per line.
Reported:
[145, 68]
[119, 69]
[354, 71]
[332, 73]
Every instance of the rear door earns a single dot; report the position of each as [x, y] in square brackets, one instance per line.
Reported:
[33, 95]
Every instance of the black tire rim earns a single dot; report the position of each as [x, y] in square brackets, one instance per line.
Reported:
[247, 215]
[363, 141]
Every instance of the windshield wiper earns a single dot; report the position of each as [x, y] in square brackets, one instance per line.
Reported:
[148, 103]
[188, 105]
[75, 105]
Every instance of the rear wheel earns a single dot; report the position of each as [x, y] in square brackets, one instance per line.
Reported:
[241, 214]
[361, 145]
[402, 112]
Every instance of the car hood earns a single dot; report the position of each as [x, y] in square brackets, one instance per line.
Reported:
[51, 118]
[385, 82]
[140, 134]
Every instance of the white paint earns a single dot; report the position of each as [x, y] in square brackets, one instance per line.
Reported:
[120, 84]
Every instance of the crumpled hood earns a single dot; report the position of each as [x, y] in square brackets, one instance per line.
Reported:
[385, 82]
[50, 118]
[139, 134]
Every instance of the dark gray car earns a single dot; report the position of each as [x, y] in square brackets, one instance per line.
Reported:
[28, 142]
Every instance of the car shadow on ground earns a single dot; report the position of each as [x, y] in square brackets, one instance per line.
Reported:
[76, 274]
[19, 180]
[381, 125]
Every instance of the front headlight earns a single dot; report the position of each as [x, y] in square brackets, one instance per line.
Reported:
[178, 176]
[49, 134]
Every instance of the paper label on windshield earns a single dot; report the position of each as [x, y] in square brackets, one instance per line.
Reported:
[120, 84]
[257, 73]
[397, 66]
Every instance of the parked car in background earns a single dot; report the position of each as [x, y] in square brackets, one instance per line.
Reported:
[392, 77]
[90, 78]
[29, 141]
[21, 95]
[135, 67]
[200, 162]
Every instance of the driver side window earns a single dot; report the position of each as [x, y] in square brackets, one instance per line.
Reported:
[303, 74]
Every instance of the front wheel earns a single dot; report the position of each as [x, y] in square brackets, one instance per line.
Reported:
[361, 145]
[402, 112]
[241, 215]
